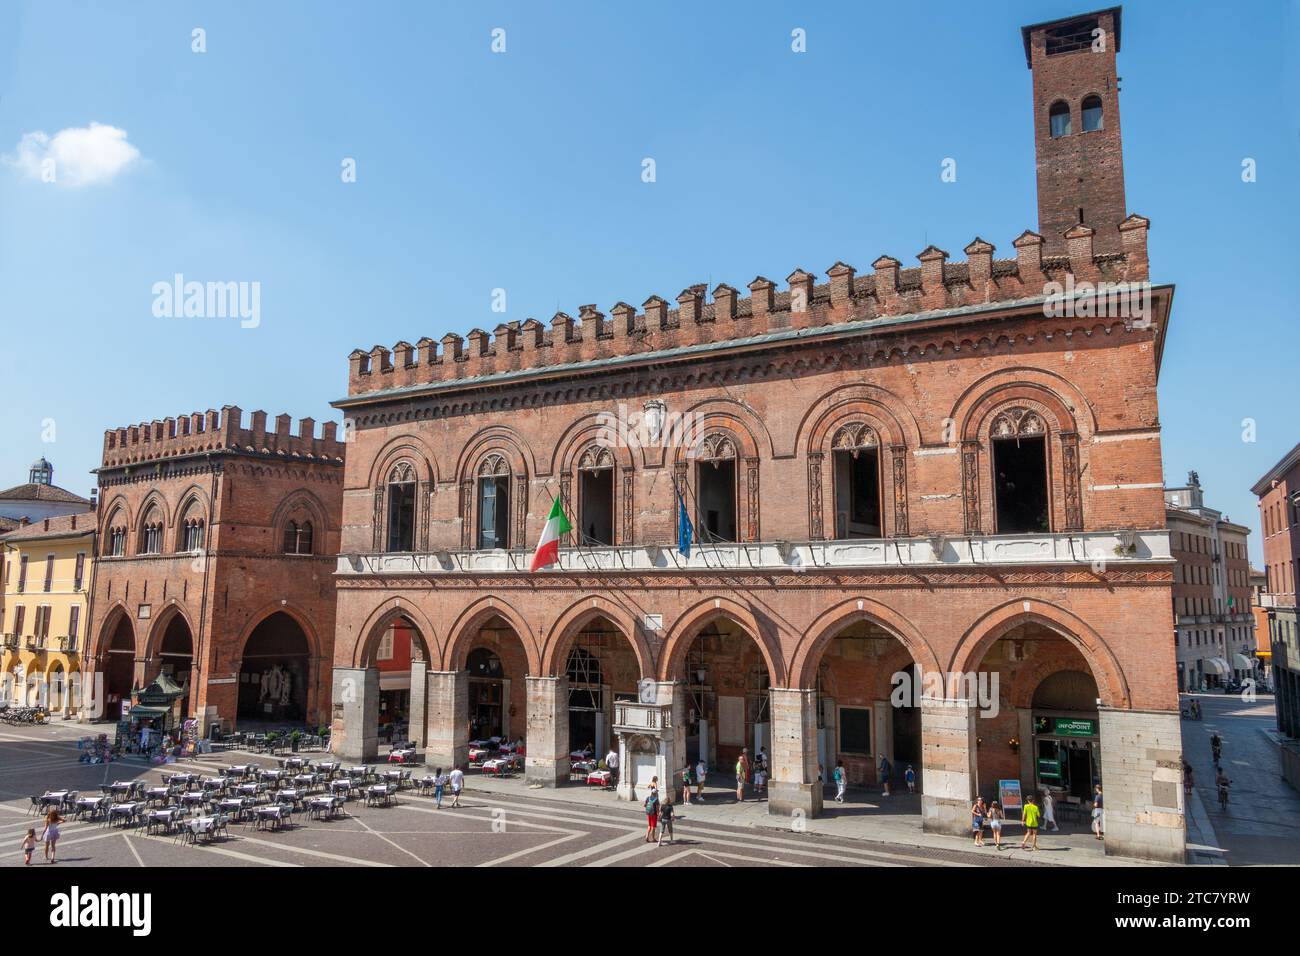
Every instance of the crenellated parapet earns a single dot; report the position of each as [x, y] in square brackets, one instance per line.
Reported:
[212, 431]
[889, 290]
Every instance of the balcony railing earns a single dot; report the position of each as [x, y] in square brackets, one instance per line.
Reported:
[642, 717]
[11, 641]
[35, 643]
[68, 645]
[1099, 549]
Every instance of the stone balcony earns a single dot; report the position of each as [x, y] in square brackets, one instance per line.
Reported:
[636, 718]
[1100, 548]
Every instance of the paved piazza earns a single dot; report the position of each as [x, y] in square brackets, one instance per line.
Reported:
[490, 829]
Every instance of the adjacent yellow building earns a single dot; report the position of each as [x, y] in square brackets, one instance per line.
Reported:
[47, 583]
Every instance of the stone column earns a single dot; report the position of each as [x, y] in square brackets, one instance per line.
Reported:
[883, 737]
[948, 768]
[547, 761]
[672, 743]
[1141, 773]
[794, 787]
[447, 720]
[1028, 766]
[419, 726]
[355, 734]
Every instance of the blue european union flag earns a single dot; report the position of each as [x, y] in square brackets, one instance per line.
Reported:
[685, 533]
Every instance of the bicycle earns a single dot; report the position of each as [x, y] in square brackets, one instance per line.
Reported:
[1223, 796]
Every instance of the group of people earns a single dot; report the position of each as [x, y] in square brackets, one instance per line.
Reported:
[1032, 816]
[442, 781]
[841, 778]
[49, 836]
[658, 815]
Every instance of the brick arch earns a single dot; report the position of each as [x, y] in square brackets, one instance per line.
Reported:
[584, 431]
[745, 418]
[378, 622]
[577, 616]
[1047, 403]
[192, 493]
[499, 438]
[408, 446]
[1021, 693]
[103, 638]
[839, 403]
[463, 630]
[992, 626]
[831, 622]
[693, 620]
[290, 610]
[158, 628]
[154, 498]
[1069, 403]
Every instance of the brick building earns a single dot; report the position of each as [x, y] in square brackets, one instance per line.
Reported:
[945, 469]
[1279, 510]
[1214, 628]
[217, 545]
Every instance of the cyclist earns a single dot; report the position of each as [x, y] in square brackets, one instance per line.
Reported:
[1216, 746]
[1222, 783]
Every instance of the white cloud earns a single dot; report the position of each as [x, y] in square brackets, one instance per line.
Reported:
[77, 156]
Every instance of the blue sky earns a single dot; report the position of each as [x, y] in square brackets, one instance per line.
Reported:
[521, 171]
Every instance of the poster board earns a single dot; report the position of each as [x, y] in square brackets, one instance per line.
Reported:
[1010, 798]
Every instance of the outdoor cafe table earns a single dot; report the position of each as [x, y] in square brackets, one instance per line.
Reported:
[182, 779]
[235, 806]
[396, 776]
[295, 763]
[327, 768]
[305, 781]
[598, 778]
[200, 827]
[270, 776]
[125, 813]
[272, 816]
[54, 797]
[158, 794]
[341, 787]
[89, 805]
[161, 818]
[214, 783]
[122, 787]
[381, 792]
[325, 806]
[194, 799]
[290, 797]
[248, 789]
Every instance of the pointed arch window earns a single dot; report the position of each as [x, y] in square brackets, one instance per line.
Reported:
[596, 496]
[494, 503]
[715, 488]
[855, 448]
[297, 537]
[401, 507]
[115, 536]
[151, 531]
[192, 528]
[1020, 480]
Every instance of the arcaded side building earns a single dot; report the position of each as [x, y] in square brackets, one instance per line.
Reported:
[949, 470]
[217, 544]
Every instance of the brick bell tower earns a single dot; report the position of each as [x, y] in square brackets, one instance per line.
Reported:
[1076, 127]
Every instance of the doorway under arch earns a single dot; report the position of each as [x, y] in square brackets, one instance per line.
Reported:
[176, 659]
[728, 706]
[274, 672]
[497, 666]
[119, 667]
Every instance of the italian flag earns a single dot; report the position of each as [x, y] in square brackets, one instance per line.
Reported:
[548, 547]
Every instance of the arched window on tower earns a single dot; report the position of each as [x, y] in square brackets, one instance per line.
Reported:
[1091, 113]
[1059, 119]
[151, 531]
[192, 527]
[1019, 439]
[856, 451]
[401, 508]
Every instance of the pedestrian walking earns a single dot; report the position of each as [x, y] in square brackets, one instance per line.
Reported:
[28, 845]
[686, 785]
[978, 811]
[51, 834]
[762, 769]
[740, 778]
[909, 775]
[1049, 810]
[995, 823]
[651, 806]
[457, 784]
[1031, 816]
[439, 782]
[885, 770]
[1098, 814]
[666, 820]
[1187, 778]
[611, 764]
[701, 771]
[841, 781]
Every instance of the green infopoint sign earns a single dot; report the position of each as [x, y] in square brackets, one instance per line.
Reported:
[1071, 727]
[1049, 768]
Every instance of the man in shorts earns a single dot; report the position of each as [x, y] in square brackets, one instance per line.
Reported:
[457, 784]
[1032, 818]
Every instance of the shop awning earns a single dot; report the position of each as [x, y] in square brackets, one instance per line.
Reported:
[139, 711]
[1244, 663]
[1217, 665]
